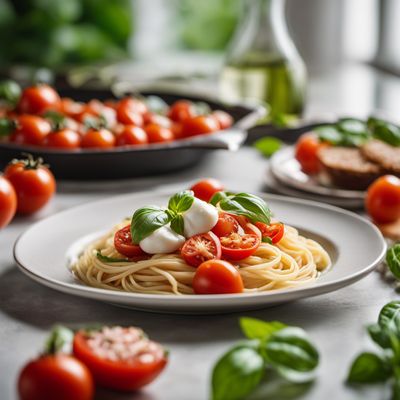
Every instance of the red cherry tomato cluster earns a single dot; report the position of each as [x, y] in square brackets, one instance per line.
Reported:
[43, 118]
[25, 187]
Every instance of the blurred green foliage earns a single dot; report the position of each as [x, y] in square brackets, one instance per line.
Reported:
[53, 33]
[208, 24]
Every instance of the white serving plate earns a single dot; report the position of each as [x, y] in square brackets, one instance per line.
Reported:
[42, 252]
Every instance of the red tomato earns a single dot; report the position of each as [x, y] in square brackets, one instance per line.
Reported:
[181, 110]
[130, 111]
[123, 243]
[273, 231]
[8, 202]
[34, 184]
[383, 199]
[31, 129]
[131, 135]
[39, 99]
[158, 134]
[71, 107]
[223, 118]
[306, 153]
[217, 277]
[51, 377]
[63, 139]
[237, 247]
[110, 361]
[199, 125]
[98, 139]
[177, 131]
[151, 118]
[206, 188]
[226, 225]
[200, 248]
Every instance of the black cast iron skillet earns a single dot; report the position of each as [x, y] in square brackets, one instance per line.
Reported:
[124, 162]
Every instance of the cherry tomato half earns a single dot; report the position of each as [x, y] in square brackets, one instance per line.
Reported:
[98, 139]
[383, 199]
[30, 129]
[63, 139]
[123, 243]
[273, 231]
[131, 135]
[217, 277]
[126, 370]
[225, 225]
[8, 202]
[237, 247]
[199, 125]
[158, 134]
[206, 188]
[59, 376]
[181, 110]
[306, 153]
[200, 248]
[39, 99]
[223, 118]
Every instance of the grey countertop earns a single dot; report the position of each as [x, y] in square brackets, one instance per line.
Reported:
[335, 321]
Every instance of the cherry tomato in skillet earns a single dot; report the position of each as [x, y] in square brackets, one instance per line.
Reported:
[8, 202]
[120, 358]
[306, 153]
[181, 110]
[30, 129]
[237, 247]
[200, 248]
[71, 108]
[225, 225]
[199, 125]
[223, 118]
[130, 111]
[131, 135]
[58, 376]
[273, 231]
[63, 139]
[206, 188]
[158, 134]
[123, 243]
[34, 184]
[38, 99]
[217, 277]
[98, 139]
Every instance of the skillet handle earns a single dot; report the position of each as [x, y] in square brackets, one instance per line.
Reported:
[230, 139]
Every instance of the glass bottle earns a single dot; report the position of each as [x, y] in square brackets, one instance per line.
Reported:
[262, 62]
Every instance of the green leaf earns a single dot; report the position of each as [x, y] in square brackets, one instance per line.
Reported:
[10, 92]
[393, 260]
[181, 202]
[257, 329]
[177, 224]
[266, 239]
[219, 196]
[291, 349]
[146, 220]
[268, 145]
[238, 372]
[385, 131]
[396, 390]
[59, 341]
[389, 322]
[329, 133]
[7, 126]
[107, 259]
[379, 336]
[352, 126]
[369, 368]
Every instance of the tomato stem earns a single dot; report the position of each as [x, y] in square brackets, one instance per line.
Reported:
[30, 162]
[59, 341]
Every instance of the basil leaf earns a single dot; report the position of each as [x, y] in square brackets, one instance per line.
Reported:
[146, 220]
[258, 329]
[329, 133]
[10, 91]
[266, 239]
[218, 197]
[238, 372]
[181, 202]
[291, 349]
[177, 224]
[393, 260]
[268, 145]
[352, 126]
[385, 131]
[396, 390]
[107, 259]
[379, 336]
[7, 126]
[369, 368]
[389, 318]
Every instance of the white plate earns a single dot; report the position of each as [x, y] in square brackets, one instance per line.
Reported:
[286, 169]
[42, 252]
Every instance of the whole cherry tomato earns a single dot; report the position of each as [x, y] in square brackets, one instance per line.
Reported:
[131, 135]
[181, 110]
[306, 153]
[226, 225]
[223, 118]
[158, 134]
[98, 139]
[130, 111]
[8, 202]
[206, 188]
[38, 99]
[30, 129]
[199, 125]
[63, 139]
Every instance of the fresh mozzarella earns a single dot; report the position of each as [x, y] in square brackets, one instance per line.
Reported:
[163, 240]
[200, 218]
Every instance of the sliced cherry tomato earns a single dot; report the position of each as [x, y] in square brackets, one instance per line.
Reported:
[132, 135]
[226, 225]
[217, 277]
[59, 376]
[273, 231]
[130, 111]
[223, 118]
[306, 153]
[30, 129]
[99, 139]
[123, 243]
[120, 358]
[39, 99]
[34, 184]
[383, 199]
[63, 139]
[200, 248]
[206, 188]
[158, 134]
[199, 125]
[8, 202]
[237, 247]
[181, 110]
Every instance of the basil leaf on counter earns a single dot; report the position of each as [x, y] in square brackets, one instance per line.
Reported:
[257, 329]
[238, 372]
[268, 145]
[177, 224]
[146, 220]
[107, 259]
[389, 318]
[369, 368]
[393, 260]
[181, 202]
[379, 336]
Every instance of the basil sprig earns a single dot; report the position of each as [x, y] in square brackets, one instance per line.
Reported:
[250, 206]
[269, 346]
